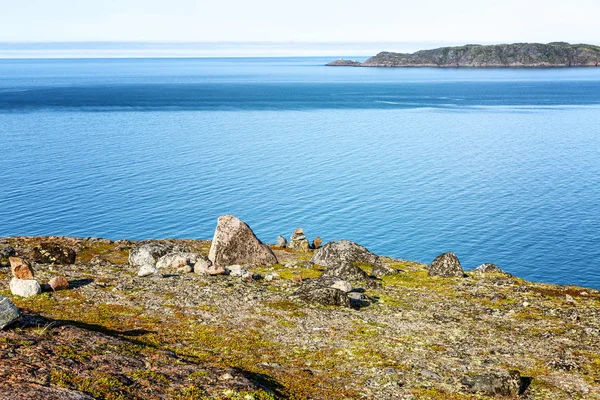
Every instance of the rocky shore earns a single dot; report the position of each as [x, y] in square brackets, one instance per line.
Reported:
[516, 55]
[234, 318]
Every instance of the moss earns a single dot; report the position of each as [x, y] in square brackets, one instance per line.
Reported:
[69, 352]
[149, 375]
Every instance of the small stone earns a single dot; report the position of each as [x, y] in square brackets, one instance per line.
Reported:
[236, 270]
[317, 242]
[446, 265]
[343, 286]
[25, 287]
[226, 376]
[21, 268]
[9, 313]
[250, 276]
[147, 270]
[202, 265]
[210, 270]
[299, 231]
[525, 304]
[569, 299]
[185, 269]
[177, 260]
[272, 276]
[297, 278]
[281, 241]
[58, 283]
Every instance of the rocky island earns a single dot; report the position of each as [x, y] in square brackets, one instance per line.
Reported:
[234, 318]
[517, 55]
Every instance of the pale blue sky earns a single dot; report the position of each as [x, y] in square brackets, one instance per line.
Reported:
[435, 21]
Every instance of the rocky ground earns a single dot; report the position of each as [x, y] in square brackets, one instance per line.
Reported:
[181, 335]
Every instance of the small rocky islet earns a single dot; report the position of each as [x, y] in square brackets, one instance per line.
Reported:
[234, 318]
[516, 55]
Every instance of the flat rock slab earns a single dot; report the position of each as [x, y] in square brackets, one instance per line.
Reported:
[235, 243]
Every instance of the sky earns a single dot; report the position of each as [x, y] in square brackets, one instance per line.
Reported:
[365, 23]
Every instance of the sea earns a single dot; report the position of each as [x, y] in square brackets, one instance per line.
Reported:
[496, 165]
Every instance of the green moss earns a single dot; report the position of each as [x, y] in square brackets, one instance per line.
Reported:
[149, 375]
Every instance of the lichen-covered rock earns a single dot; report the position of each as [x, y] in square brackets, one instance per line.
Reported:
[447, 265]
[488, 268]
[344, 251]
[58, 283]
[281, 241]
[506, 383]
[316, 292]
[177, 260]
[9, 313]
[235, 243]
[148, 253]
[7, 252]
[52, 253]
[25, 287]
[21, 268]
[298, 241]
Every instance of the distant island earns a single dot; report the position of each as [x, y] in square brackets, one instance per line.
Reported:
[517, 55]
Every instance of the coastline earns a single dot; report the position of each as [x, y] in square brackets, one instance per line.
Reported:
[409, 334]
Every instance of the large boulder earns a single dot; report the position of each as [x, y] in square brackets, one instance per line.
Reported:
[447, 265]
[298, 241]
[25, 287]
[20, 268]
[344, 251]
[9, 313]
[506, 383]
[52, 253]
[148, 253]
[235, 243]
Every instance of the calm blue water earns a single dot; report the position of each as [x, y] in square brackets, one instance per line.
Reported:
[498, 166]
